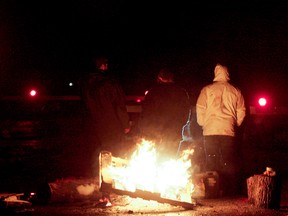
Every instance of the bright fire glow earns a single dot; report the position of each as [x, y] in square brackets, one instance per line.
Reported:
[171, 179]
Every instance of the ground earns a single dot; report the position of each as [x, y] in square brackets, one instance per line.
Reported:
[124, 205]
[62, 154]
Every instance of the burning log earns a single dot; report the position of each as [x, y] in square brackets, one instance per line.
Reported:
[13, 201]
[109, 184]
[153, 196]
[264, 191]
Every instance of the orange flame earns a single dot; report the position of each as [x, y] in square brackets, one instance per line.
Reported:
[171, 179]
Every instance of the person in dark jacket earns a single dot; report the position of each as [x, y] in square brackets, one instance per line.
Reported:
[165, 111]
[106, 114]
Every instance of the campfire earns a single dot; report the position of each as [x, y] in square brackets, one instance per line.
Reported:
[143, 175]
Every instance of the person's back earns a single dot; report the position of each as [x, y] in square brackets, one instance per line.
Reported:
[105, 96]
[165, 111]
[106, 110]
[220, 108]
[220, 105]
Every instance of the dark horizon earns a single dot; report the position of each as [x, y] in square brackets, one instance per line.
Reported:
[47, 39]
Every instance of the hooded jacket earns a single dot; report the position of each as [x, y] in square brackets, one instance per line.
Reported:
[220, 106]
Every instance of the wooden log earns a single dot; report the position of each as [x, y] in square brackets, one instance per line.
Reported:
[153, 196]
[13, 201]
[264, 191]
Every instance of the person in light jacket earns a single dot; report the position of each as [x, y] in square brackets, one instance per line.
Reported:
[220, 109]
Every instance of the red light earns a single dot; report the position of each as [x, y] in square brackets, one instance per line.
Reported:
[262, 101]
[33, 93]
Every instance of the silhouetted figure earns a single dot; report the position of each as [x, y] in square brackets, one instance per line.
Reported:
[107, 117]
[165, 111]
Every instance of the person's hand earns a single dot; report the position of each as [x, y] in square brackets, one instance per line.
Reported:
[127, 130]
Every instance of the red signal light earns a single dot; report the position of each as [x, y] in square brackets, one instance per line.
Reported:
[262, 101]
[33, 93]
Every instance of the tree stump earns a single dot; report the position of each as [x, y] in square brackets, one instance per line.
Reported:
[264, 191]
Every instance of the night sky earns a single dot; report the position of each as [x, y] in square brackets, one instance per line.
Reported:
[41, 39]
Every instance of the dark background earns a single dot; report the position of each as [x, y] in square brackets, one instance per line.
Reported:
[47, 42]
[55, 40]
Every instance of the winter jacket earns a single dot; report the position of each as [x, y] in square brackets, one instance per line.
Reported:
[105, 103]
[220, 106]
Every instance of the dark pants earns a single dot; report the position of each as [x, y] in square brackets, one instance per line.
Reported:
[222, 156]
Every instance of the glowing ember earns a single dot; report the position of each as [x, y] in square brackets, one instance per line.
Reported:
[143, 171]
[104, 202]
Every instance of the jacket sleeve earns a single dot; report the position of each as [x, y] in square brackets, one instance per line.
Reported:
[241, 110]
[201, 107]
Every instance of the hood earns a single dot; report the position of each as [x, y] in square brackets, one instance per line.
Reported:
[221, 73]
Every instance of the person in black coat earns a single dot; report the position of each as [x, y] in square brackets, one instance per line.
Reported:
[106, 114]
[165, 111]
